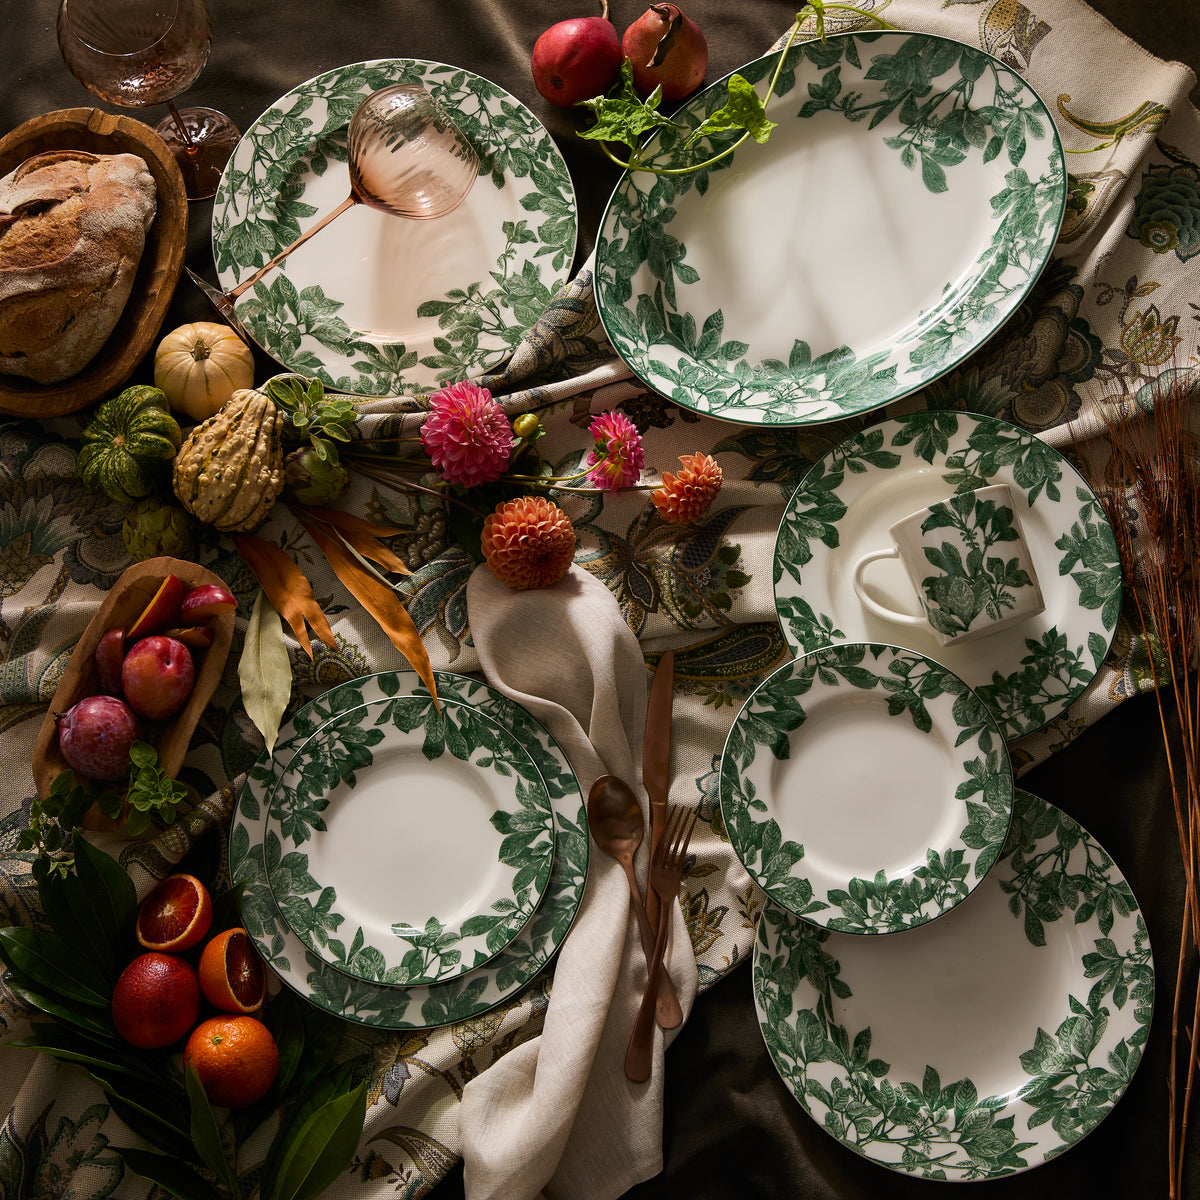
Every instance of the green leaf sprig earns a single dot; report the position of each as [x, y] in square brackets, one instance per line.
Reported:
[323, 419]
[623, 118]
[53, 821]
[67, 976]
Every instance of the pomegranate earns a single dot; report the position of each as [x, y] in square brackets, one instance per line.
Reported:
[96, 735]
[667, 50]
[577, 59]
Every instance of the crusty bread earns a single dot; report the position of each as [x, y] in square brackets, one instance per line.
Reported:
[72, 230]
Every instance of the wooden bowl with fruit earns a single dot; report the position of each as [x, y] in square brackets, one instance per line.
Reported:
[144, 670]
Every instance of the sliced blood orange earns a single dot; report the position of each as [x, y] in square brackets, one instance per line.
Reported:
[175, 916]
[232, 975]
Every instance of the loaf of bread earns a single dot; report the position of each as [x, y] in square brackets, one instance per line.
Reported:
[72, 230]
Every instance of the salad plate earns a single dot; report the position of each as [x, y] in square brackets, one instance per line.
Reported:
[448, 790]
[903, 206]
[982, 1044]
[377, 304]
[865, 788]
[252, 857]
[1026, 674]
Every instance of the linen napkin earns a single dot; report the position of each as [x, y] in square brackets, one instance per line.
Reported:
[557, 1113]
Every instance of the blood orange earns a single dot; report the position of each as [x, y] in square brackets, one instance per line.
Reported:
[235, 1057]
[232, 974]
[156, 1000]
[175, 915]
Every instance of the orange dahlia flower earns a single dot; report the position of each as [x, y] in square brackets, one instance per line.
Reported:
[685, 497]
[528, 542]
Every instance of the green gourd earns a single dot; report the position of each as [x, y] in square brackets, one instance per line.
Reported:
[129, 444]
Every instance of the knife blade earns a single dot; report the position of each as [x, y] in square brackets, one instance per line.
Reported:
[656, 758]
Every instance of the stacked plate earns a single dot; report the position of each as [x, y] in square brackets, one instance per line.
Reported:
[867, 787]
[410, 864]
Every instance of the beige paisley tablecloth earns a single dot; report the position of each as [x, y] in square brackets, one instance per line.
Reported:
[1115, 310]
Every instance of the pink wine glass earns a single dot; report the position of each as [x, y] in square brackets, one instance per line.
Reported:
[136, 53]
[407, 158]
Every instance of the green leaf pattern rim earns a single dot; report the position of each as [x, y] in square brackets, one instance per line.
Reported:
[338, 754]
[927, 699]
[420, 1006]
[652, 301]
[1026, 676]
[260, 204]
[1067, 894]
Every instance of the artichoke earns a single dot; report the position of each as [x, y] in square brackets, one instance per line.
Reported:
[311, 479]
[154, 528]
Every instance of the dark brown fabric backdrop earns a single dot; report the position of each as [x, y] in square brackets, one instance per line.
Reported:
[732, 1129]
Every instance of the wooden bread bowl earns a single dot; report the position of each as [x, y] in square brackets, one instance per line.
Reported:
[129, 596]
[158, 272]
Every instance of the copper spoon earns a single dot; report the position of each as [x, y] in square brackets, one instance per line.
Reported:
[617, 827]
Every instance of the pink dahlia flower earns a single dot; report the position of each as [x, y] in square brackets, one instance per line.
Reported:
[467, 435]
[616, 459]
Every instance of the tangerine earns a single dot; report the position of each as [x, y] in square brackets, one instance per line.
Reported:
[175, 915]
[156, 1000]
[232, 975]
[236, 1059]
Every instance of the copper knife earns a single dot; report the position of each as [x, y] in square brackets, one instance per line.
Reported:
[656, 759]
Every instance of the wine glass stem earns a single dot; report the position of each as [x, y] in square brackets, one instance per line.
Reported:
[183, 129]
[349, 202]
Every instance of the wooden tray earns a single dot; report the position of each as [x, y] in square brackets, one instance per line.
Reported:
[129, 596]
[162, 260]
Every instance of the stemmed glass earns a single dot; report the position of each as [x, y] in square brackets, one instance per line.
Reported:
[406, 157]
[136, 53]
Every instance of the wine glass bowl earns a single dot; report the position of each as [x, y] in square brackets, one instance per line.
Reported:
[138, 53]
[407, 157]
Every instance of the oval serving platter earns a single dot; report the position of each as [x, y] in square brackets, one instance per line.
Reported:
[985, 1043]
[409, 843]
[865, 788]
[903, 206]
[375, 304]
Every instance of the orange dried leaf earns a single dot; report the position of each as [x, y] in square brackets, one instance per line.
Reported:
[362, 535]
[379, 600]
[286, 588]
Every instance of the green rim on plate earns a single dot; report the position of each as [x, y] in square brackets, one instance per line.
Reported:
[866, 788]
[392, 804]
[1027, 674]
[520, 219]
[420, 1005]
[989, 1041]
[904, 205]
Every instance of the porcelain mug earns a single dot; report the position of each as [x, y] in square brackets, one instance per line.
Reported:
[968, 563]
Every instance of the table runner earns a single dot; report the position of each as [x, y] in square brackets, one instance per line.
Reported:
[1111, 313]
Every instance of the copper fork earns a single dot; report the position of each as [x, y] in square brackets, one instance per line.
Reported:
[666, 874]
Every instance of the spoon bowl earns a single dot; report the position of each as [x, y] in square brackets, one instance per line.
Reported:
[617, 826]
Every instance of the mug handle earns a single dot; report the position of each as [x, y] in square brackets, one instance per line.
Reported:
[881, 610]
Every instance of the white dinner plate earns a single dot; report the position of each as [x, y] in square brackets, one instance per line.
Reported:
[900, 211]
[419, 1005]
[1027, 673]
[984, 1043]
[376, 304]
[409, 844]
[865, 788]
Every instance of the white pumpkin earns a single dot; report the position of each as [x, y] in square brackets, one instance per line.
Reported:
[199, 366]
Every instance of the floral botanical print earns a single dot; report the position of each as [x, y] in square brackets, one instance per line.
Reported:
[255, 856]
[1029, 675]
[973, 797]
[1074, 1045]
[945, 112]
[473, 325]
[328, 772]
